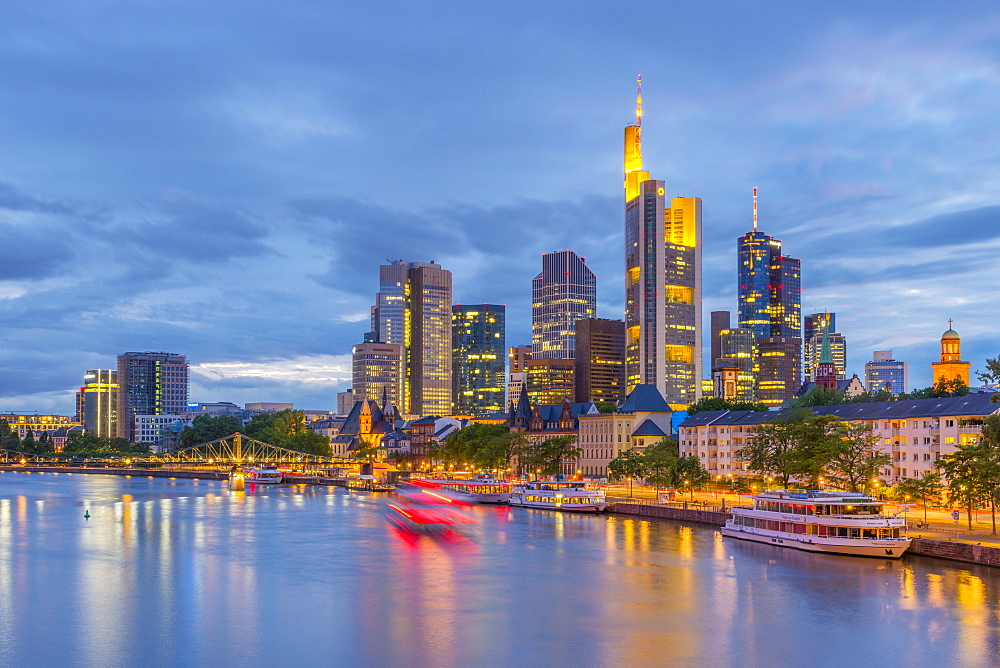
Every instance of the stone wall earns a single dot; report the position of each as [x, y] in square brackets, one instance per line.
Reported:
[669, 513]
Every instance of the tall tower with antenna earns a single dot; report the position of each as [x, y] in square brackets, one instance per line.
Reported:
[662, 280]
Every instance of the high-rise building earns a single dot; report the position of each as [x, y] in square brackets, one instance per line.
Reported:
[377, 372]
[517, 377]
[885, 373]
[478, 365]
[951, 366]
[517, 358]
[413, 309]
[770, 305]
[720, 320]
[813, 326]
[737, 346]
[815, 323]
[565, 291]
[150, 383]
[662, 281]
[599, 365]
[97, 405]
[549, 381]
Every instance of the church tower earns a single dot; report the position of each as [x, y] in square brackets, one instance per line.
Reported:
[951, 366]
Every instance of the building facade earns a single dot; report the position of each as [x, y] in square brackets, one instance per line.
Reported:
[642, 420]
[150, 384]
[720, 321]
[599, 366]
[413, 309]
[564, 292]
[885, 373]
[813, 327]
[662, 281]
[951, 366]
[377, 372]
[737, 346]
[478, 365]
[549, 381]
[97, 406]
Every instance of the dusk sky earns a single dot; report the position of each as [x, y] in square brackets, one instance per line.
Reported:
[222, 180]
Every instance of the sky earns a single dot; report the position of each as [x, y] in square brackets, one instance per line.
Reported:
[222, 180]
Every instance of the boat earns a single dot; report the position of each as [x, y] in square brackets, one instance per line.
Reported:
[821, 521]
[422, 510]
[479, 490]
[263, 475]
[571, 496]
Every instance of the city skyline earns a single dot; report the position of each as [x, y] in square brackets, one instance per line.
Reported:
[212, 194]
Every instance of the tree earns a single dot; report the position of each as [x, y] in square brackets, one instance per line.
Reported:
[606, 407]
[797, 445]
[205, 428]
[924, 489]
[990, 377]
[9, 439]
[940, 389]
[547, 457]
[819, 396]
[287, 429]
[628, 465]
[688, 470]
[869, 397]
[855, 459]
[973, 470]
[720, 404]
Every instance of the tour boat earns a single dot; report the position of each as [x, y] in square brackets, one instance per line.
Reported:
[815, 521]
[263, 475]
[480, 490]
[421, 510]
[570, 496]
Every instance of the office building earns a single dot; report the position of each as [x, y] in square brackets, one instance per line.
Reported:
[478, 365]
[720, 320]
[885, 373]
[662, 281]
[599, 365]
[738, 347]
[377, 373]
[97, 402]
[769, 294]
[549, 381]
[150, 384]
[951, 366]
[413, 309]
[517, 377]
[565, 291]
[813, 326]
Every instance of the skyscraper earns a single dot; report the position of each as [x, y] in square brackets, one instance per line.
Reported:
[413, 309]
[565, 291]
[98, 405]
[770, 305]
[517, 378]
[662, 281]
[813, 326]
[720, 320]
[478, 365]
[377, 371]
[549, 380]
[885, 373]
[150, 383]
[599, 365]
[737, 345]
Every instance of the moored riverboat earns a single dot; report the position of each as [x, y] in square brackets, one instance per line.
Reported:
[479, 490]
[263, 475]
[821, 521]
[570, 496]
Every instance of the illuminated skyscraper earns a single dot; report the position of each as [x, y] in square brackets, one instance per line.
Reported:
[413, 309]
[377, 371]
[662, 282]
[150, 383]
[770, 305]
[815, 325]
[737, 345]
[98, 402]
[478, 362]
[885, 373]
[564, 292]
[599, 366]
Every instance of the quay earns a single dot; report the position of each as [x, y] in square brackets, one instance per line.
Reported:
[199, 474]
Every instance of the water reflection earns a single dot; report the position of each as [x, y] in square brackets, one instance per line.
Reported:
[202, 575]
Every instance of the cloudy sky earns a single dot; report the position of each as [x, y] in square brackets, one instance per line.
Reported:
[223, 179]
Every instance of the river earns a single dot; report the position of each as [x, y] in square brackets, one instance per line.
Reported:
[186, 573]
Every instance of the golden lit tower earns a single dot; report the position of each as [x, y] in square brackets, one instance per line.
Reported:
[662, 281]
[951, 366]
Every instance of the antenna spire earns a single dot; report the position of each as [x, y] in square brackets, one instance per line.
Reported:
[755, 208]
[638, 102]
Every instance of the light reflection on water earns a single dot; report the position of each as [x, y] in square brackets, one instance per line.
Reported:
[188, 573]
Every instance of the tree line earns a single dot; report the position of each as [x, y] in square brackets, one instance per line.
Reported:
[284, 429]
[494, 447]
[660, 465]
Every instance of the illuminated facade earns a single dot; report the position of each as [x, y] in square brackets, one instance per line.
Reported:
[549, 381]
[565, 291]
[769, 298]
[25, 422]
[662, 282]
[377, 372]
[599, 366]
[413, 309]
[737, 346]
[478, 365]
[951, 366]
[150, 384]
[812, 330]
[98, 402]
[885, 373]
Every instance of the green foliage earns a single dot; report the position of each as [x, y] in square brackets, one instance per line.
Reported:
[797, 446]
[628, 465]
[856, 459]
[925, 489]
[287, 429]
[819, 396]
[605, 407]
[719, 404]
[659, 465]
[868, 397]
[973, 470]
[941, 389]
[485, 446]
[992, 374]
[8, 436]
[546, 457]
[205, 428]
[83, 442]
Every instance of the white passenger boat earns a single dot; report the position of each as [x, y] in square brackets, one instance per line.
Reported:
[480, 490]
[263, 475]
[569, 496]
[815, 521]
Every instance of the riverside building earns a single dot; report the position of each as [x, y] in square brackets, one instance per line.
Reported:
[149, 384]
[377, 372]
[97, 402]
[662, 281]
[642, 420]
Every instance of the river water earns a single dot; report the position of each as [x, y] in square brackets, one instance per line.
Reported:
[187, 573]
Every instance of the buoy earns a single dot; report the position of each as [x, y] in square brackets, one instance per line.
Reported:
[86, 514]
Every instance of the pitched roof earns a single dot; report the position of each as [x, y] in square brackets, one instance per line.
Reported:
[649, 428]
[645, 399]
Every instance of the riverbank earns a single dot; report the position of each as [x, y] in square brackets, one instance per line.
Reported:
[973, 552]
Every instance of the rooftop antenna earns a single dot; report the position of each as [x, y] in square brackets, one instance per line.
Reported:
[638, 102]
[755, 208]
